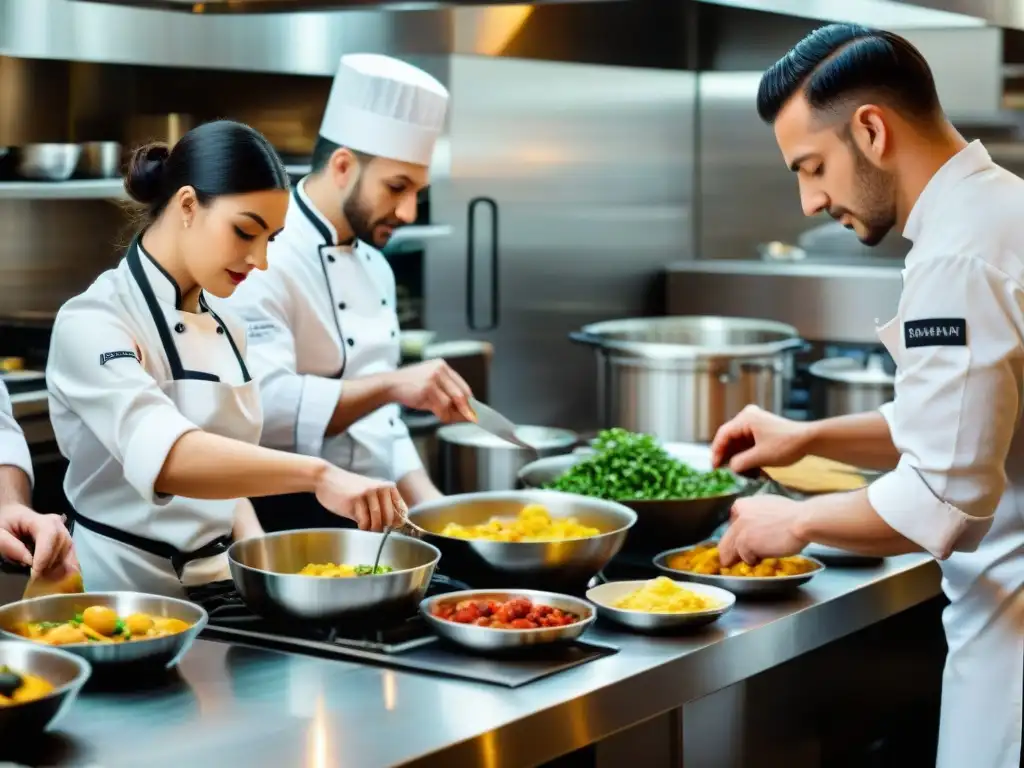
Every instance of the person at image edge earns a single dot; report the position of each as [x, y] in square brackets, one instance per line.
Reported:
[322, 321]
[51, 552]
[150, 394]
[856, 115]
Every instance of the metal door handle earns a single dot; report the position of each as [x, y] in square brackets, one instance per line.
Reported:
[471, 266]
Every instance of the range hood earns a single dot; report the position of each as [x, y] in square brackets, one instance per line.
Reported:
[292, 6]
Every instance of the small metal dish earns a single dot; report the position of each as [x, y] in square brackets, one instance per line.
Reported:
[153, 653]
[488, 640]
[101, 160]
[605, 595]
[67, 674]
[48, 162]
[741, 586]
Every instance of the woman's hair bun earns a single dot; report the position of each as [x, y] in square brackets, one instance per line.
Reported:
[145, 177]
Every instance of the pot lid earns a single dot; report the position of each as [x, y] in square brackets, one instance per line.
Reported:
[692, 337]
[847, 370]
[542, 438]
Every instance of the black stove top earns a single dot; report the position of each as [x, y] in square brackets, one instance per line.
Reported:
[406, 643]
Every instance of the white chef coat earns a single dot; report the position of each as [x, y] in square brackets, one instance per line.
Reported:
[958, 343]
[323, 313]
[13, 446]
[129, 372]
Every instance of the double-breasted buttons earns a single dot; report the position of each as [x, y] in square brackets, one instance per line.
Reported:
[342, 305]
[220, 330]
[351, 341]
[179, 328]
[330, 257]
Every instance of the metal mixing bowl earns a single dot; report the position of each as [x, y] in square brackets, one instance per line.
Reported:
[675, 522]
[152, 653]
[567, 564]
[101, 159]
[265, 570]
[67, 674]
[48, 162]
[487, 639]
[744, 586]
[605, 595]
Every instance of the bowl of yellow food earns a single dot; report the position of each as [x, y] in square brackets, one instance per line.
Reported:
[37, 686]
[327, 575]
[108, 629]
[661, 604]
[771, 576]
[542, 539]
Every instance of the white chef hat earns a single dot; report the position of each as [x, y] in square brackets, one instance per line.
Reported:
[385, 107]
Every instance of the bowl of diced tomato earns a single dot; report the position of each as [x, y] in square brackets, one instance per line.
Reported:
[501, 620]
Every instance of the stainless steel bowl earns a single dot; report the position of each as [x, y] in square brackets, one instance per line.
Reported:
[605, 595]
[101, 160]
[488, 640]
[153, 653]
[265, 570]
[675, 522]
[742, 586]
[568, 564]
[48, 162]
[65, 672]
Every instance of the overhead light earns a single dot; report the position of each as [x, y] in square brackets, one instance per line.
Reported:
[881, 14]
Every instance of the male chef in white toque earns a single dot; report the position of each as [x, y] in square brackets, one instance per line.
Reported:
[50, 552]
[323, 330]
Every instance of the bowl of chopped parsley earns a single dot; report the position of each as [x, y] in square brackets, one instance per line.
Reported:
[674, 501]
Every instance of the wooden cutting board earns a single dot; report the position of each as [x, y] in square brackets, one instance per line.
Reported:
[814, 474]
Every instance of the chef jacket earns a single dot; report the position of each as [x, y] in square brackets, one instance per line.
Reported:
[13, 446]
[130, 372]
[958, 343]
[323, 313]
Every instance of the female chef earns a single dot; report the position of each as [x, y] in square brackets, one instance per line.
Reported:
[150, 396]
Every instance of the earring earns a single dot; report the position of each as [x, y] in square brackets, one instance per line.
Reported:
[185, 223]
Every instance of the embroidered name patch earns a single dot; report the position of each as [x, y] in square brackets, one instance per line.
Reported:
[261, 330]
[106, 357]
[939, 332]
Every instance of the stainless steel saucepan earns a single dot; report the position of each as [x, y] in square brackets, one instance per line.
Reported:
[266, 573]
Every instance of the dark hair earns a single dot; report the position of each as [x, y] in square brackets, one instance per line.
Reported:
[325, 148]
[840, 62]
[218, 158]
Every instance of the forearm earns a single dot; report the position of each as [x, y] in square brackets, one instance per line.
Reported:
[14, 487]
[848, 521]
[359, 398]
[861, 439]
[202, 465]
[417, 488]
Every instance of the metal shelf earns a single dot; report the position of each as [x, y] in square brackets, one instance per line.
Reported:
[86, 189]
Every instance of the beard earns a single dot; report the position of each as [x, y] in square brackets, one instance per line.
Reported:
[876, 203]
[359, 215]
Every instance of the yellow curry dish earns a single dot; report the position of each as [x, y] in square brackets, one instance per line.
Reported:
[343, 571]
[704, 559]
[100, 624]
[21, 687]
[533, 524]
[662, 595]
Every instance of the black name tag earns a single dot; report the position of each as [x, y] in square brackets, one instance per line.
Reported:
[939, 332]
[106, 357]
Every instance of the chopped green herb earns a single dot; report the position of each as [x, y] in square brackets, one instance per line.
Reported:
[119, 627]
[77, 619]
[633, 467]
[49, 624]
[368, 570]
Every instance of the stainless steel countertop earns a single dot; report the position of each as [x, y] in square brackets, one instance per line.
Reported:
[271, 709]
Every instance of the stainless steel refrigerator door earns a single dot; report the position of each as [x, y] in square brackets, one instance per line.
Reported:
[589, 170]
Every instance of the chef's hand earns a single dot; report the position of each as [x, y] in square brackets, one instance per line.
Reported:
[756, 438]
[432, 386]
[372, 504]
[51, 554]
[760, 527]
